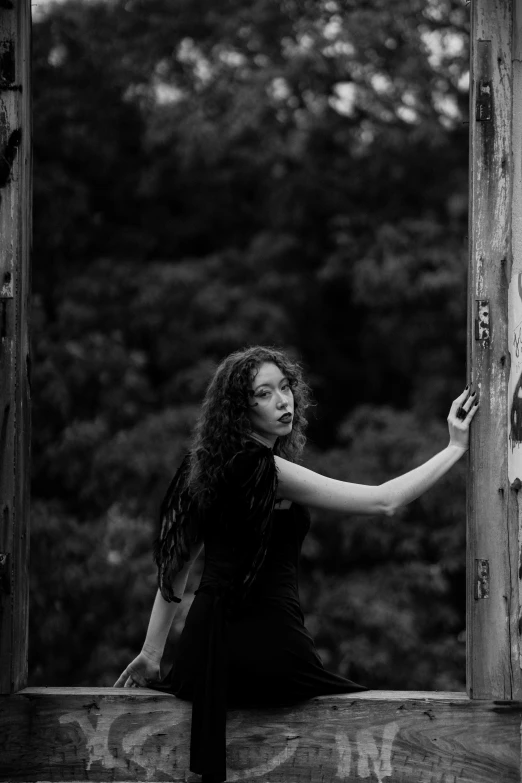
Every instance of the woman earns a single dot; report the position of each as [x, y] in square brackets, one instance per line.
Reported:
[240, 492]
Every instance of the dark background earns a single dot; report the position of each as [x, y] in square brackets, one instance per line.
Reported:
[210, 174]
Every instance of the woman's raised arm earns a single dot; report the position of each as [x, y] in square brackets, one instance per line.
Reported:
[301, 485]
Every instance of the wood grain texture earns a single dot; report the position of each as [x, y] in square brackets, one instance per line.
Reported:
[140, 735]
[493, 669]
[15, 251]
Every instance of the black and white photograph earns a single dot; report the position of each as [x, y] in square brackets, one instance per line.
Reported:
[260, 391]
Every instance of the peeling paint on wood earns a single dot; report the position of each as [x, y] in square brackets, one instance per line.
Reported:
[482, 325]
[6, 286]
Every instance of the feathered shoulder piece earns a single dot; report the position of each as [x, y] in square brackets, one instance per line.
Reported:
[250, 478]
[179, 530]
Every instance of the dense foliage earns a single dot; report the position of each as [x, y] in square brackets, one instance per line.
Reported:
[215, 174]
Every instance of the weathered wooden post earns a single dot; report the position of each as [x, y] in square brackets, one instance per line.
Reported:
[495, 261]
[15, 250]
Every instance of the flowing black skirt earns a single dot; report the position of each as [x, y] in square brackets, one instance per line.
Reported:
[261, 655]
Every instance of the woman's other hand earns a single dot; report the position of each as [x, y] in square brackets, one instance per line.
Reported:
[460, 417]
[144, 669]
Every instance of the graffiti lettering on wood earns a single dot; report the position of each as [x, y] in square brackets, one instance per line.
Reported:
[109, 748]
[368, 759]
[155, 743]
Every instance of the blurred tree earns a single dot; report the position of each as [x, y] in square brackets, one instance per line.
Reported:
[386, 598]
[210, 175]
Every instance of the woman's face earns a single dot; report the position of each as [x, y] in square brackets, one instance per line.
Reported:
[272, 404]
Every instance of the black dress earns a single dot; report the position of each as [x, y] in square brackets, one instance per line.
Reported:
[247, 647]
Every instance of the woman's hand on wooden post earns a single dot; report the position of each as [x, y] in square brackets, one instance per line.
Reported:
[460, 417]
[143, 670]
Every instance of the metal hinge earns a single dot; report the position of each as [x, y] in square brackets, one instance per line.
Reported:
[484, 104]
[481, 579]
[482, 325]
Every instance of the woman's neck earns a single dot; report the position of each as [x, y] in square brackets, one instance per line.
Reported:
[262, 440]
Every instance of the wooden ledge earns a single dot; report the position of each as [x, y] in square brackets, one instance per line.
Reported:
[51, 690]
[117, 734]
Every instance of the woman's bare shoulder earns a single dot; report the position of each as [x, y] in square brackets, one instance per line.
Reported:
[292, 479]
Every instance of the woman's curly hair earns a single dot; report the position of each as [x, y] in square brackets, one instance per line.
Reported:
[223, 427]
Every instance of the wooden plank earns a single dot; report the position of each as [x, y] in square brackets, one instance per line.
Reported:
[493, 669]
[15, 250]
[141, 735]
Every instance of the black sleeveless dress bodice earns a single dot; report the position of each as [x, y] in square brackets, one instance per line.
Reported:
[253, 652]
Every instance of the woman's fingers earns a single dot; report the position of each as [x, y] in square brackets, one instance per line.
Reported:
[133, 681]
[458, 402]
[466, 412]
[129, 679]
[120, 682]
[463, 396]
[463, 410]
[463, 403]
[460, 416]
